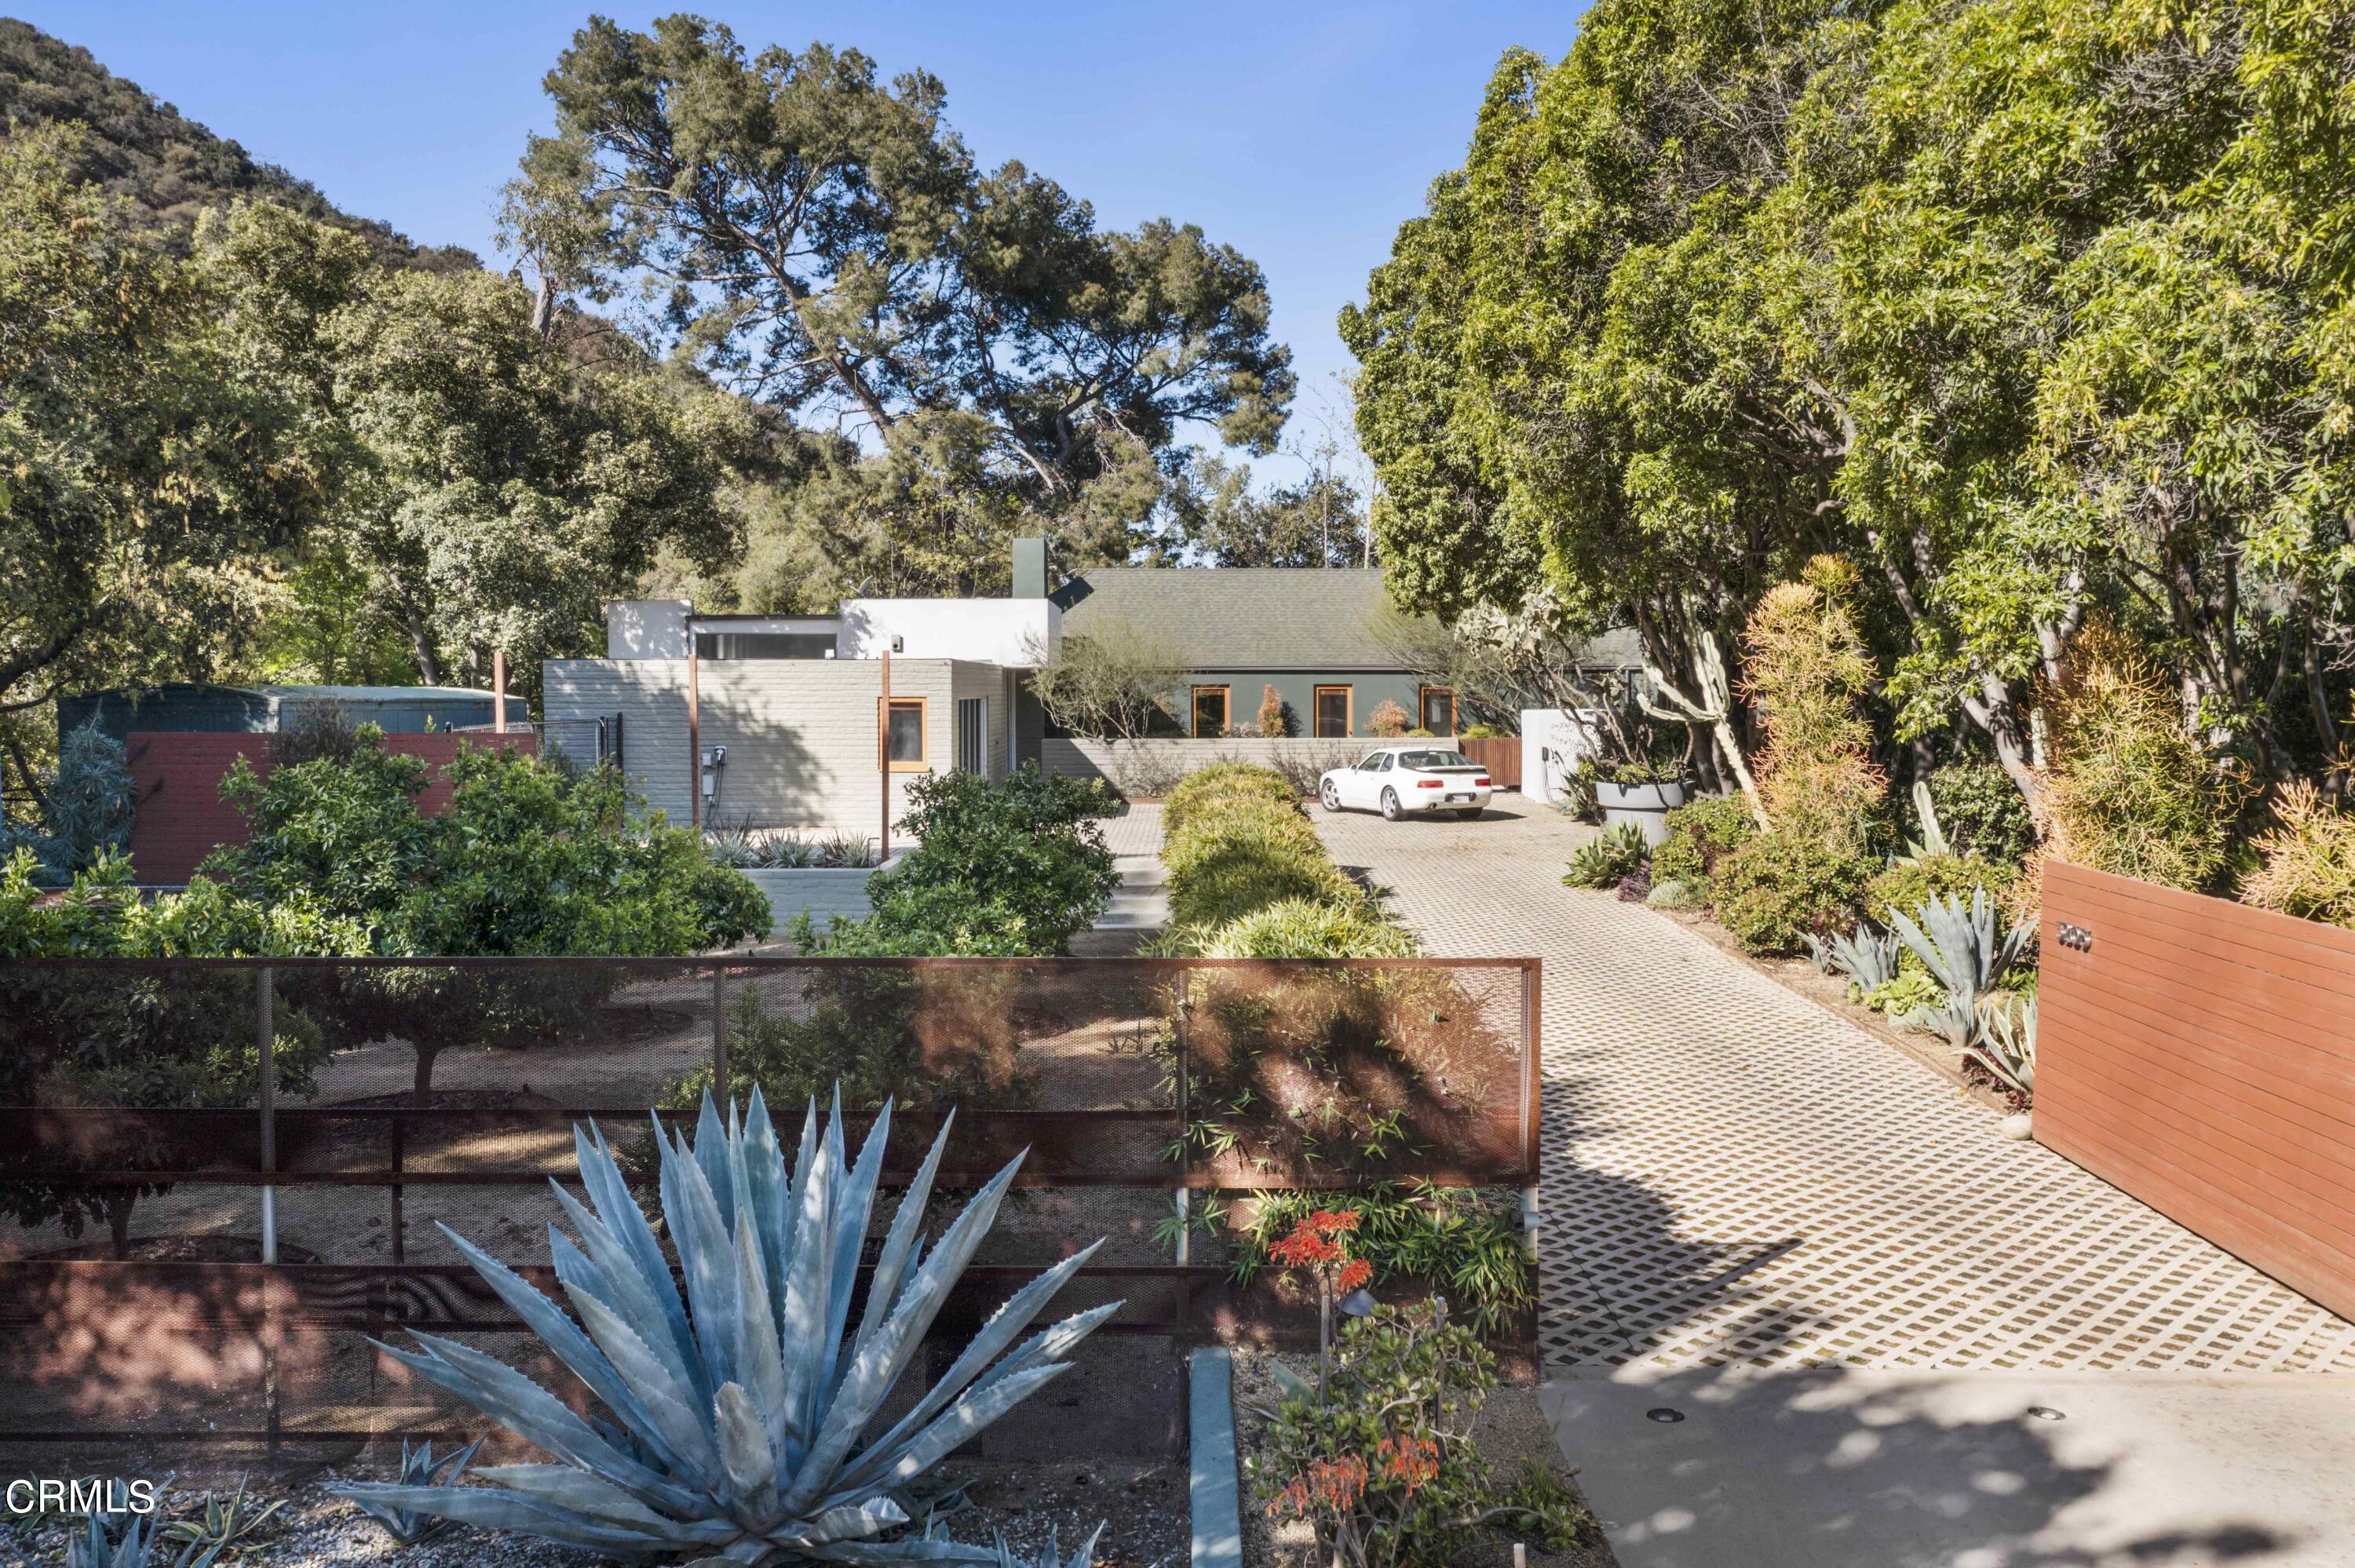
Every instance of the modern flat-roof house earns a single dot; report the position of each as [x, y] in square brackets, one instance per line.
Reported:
[786, 711]
[1327, 639]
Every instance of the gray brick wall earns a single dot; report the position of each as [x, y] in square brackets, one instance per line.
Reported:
[651, 696]
[800, 733]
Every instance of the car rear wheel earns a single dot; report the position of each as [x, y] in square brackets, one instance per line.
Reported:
[1469, 814]
[1331, 796]
[1391, 810]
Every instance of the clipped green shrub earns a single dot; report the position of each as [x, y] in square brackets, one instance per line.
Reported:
[1483, 732]
[1297, 928]
[1778, 889]
[1241, 852]
[1908, 884]
[1700, 835]
[1981, 812]
[1222, 783]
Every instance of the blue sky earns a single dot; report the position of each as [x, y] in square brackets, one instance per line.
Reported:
[1302, 134]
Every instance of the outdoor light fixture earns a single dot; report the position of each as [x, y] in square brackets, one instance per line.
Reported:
[1664, 1415]
[2045, 1413]
[1358, 1303]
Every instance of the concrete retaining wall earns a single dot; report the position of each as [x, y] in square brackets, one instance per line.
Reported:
[823, 892]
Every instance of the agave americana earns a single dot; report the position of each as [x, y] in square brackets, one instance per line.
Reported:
[1959, 944]
[740, 1413]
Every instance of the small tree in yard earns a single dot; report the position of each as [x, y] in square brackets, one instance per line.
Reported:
[527, 860]
[1115, 685]
[1389, 720]
[140, 1038]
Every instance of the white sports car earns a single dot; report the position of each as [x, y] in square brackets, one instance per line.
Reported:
[1404, 777]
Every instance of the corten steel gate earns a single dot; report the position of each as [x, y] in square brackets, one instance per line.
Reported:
[2201, 1055]
[276, 1147]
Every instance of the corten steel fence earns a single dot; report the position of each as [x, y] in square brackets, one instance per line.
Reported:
[219, 1178]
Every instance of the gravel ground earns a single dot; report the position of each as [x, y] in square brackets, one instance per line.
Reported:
[1510, 1431]
[1144, 1504]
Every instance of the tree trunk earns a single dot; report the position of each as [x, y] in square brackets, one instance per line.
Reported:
[117, 1221]
[422, 1081]
[420, 647]
[543, 308]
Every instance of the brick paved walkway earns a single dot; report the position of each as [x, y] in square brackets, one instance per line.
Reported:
[1736, 1175]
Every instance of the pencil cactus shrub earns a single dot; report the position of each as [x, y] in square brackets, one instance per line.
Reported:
[2307, 860]
[741, 1421]
[2130, 790]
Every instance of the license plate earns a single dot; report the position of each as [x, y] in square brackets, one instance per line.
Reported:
[1455, 798]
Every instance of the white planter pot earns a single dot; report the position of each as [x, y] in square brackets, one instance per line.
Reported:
[2021, 1127]
[1646, 805]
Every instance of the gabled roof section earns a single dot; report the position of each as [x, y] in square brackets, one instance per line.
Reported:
[1244, 617]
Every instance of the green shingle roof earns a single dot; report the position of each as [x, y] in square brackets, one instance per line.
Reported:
[1244, 617]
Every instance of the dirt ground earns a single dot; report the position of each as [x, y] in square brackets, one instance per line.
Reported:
[1142, 1507]
[1509, 1432]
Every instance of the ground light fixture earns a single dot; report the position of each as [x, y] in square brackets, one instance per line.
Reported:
[1664, 1415]
[2046, 1413]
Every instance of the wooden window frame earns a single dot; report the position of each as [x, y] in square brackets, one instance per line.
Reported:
[1226, 706]
[1423, 708]
[924, 761]
[1349, 712]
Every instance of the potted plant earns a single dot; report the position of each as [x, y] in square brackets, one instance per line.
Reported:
[1638, 767]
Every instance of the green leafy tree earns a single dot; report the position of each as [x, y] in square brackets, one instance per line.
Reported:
[145, 457]
[2025, 308]
[822, 240]
[139, 1039]
[526, 858]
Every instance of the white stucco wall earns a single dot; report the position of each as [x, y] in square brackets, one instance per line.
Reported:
[1017, 633]
[646, 628]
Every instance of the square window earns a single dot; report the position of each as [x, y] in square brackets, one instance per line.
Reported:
[1438, 710]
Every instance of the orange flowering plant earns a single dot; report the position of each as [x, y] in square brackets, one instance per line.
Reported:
[1317, 1243]
[1384, 1471]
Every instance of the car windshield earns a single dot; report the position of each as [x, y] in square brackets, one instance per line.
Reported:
[1429, 759]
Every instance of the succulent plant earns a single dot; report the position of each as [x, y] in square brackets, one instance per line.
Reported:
[131, 1541]
[1960, 946]
[2006, 1043]
[1868, 956]
[222, 1526]
[740, 1415]
[1006, 1557]
[419, 1467]
[1613, 854]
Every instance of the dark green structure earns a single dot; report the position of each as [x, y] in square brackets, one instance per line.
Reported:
[1327, 638]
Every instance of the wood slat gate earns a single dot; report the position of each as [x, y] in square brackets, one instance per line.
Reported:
[1500, 754]
[2201, 1055]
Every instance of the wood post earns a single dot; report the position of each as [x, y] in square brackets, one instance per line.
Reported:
[694, 731]
[883, 750]
[498, 690]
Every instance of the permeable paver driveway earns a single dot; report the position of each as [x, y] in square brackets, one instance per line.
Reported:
[1738, 1183]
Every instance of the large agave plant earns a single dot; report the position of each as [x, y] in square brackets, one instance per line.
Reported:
[739, 1414]
[1961, 946]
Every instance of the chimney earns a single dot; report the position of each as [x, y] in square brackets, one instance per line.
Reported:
[1029, 568]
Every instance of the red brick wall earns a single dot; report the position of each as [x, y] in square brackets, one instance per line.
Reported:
[176, 779]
